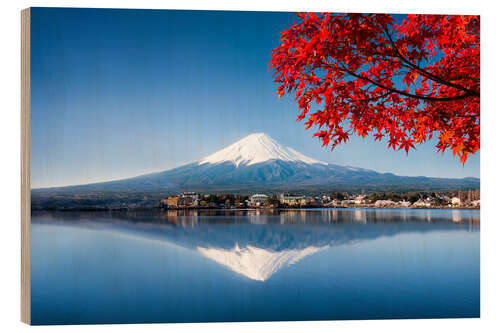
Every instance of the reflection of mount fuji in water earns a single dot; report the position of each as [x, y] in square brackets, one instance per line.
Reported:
[257, 245]
[256, 263]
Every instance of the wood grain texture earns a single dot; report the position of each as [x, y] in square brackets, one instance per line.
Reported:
[25, 168]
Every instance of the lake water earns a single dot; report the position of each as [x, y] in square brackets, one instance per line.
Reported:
[202, 266]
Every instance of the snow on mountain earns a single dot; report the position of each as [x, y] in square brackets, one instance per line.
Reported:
[257, 148]
[256, 263]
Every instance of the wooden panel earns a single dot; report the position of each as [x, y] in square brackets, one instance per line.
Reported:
[25, 167]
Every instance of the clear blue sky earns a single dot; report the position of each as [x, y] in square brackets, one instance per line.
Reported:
[118, 93]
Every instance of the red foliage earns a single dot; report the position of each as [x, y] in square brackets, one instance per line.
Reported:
[367, 74]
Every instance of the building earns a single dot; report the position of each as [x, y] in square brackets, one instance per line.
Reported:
[188, 199]
[423, 203]
[170, 202]
[455, 201]
[384, 203]
[187, 202]
[257, 200]
[292, 200]
[404, 203]
[359, 200]
[314, 201]
[192, 195]
[185, 199]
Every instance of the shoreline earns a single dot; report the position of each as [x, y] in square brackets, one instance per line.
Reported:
[156, 209]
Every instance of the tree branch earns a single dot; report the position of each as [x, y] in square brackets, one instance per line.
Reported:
[404, 93]
[423, 72]
[372, 98]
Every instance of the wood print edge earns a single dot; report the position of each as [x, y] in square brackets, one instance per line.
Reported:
[25, 168]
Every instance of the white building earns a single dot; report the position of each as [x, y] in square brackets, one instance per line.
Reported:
[384, 203]
[259, 200]
[360, 199]
[455, 201]
[292, 200]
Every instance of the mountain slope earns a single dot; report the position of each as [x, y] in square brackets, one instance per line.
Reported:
[259, 163]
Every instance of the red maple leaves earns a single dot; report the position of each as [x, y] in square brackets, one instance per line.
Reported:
[368, 75]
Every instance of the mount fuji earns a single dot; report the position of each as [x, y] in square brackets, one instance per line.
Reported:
[259, 163]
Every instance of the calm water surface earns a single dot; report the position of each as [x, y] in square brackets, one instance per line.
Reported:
[200, 266]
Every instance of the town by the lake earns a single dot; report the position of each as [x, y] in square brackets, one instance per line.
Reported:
[458, 199]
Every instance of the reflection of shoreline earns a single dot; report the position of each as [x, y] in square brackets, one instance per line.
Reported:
[263, 209]
[281, 216]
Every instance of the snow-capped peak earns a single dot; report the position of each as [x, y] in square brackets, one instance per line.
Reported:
[257, 148]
